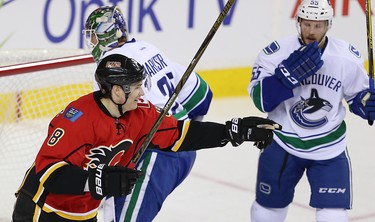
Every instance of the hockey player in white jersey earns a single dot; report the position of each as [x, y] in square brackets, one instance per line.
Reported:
[301, 82]
[106, 33]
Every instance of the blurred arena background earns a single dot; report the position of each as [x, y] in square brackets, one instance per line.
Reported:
[220, 188]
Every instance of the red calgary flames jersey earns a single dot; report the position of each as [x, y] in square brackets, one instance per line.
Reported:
[84, 135]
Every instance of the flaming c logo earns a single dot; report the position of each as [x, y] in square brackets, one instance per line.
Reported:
[109, 155]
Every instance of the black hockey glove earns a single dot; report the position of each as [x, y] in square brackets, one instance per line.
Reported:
[255, 129]
[112, 181]
[300, 65]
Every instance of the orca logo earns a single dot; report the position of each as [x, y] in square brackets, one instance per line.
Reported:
[311, 112]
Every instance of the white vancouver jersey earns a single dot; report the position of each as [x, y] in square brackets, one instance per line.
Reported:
[313, 119]
[165, 76]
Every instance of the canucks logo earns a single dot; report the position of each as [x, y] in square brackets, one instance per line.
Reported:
[354, 51]
[311, 112]
[271, 48]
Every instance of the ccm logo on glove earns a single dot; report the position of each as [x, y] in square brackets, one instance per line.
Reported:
[287, 75]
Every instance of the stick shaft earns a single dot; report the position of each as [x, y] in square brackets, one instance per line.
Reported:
[182, 81]
[370, 56]
[369, 44]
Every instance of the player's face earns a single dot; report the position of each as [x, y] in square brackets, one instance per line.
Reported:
[313, 31]
[136, 92]
[90, 38]
[94, 39]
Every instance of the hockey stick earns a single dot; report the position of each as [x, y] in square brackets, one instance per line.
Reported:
[182, 82]
[370, 55]
[370, 45]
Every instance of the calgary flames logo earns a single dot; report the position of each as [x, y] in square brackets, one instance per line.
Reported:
[110, 155]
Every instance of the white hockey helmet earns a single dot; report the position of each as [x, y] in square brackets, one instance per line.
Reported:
[317, 10]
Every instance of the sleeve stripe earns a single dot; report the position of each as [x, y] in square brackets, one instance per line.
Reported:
[257, 96]
[44, 177]
[71, 216]
[184, 131]
[26, 175]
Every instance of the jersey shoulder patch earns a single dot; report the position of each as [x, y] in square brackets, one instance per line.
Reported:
[354, 51]
[271, 48]
[73, 114]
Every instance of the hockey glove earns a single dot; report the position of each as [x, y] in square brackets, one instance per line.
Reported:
[112, 181]
[364, 106]
[300, 65]
[255, 129]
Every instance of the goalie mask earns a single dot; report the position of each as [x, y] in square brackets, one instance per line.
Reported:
[119, 70]
[103, 29]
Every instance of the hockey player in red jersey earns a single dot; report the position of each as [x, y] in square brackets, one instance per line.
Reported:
[106, 33]
[85, 156]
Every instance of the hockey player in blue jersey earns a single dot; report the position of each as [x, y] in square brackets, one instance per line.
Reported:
[106, 33]
[301, 82]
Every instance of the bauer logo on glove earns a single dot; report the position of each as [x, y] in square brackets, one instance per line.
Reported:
[255, 129]
[112, 181]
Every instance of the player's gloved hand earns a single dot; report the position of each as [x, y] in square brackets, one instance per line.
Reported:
[255, 129]
[300, 65]
[364, 105]
[112, 181]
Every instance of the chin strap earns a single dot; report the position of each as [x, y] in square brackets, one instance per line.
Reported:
[126, 89]
[119, 105]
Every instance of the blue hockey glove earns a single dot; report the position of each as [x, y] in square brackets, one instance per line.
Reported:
[364, 105]
[300, 65]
